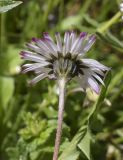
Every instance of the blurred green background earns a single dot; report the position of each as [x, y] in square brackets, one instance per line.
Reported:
[28, 115]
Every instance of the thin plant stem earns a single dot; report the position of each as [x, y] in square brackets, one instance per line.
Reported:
[61, 83]
[107, 25]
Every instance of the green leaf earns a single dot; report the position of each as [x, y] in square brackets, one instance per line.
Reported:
[6, 5]
[84, 144]
[79, 144]
[72, 152]
[70, 22]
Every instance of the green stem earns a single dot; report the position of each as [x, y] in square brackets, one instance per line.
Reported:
[107, 25]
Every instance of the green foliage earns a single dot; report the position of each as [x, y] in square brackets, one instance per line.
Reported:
[92, 128]
[37, 139]
[6, 5]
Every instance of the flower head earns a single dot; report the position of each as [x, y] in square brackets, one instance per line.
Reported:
[64, 59]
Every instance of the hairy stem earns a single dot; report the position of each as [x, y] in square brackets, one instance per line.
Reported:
[61, 84]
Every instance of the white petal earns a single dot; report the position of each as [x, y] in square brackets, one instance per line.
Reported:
[31, 57]
[35, 48]
[80, 46]
[66, 47]
[93, 63]
[43, 70]
[52, 47]
[44, 47]
[73, 38]
[77, 44]
[98, 71]
[31, 67]
[90, 42]
[38, 78]
[59, 42]
[121, 5]
[99, 79]
[41, 48]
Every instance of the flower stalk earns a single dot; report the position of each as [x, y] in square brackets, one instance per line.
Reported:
[62, 88]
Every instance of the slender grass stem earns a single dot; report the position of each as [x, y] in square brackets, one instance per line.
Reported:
[61, 84]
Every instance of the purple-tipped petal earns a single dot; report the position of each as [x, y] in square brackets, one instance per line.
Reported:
[78, 44]
[23, 54]
[47, 36]
[94, 85]
[34, 39]
[83, 34]
[91, 40]
[92, 37]
[31, 57]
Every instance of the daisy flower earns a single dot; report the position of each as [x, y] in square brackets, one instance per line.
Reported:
[64, 59]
